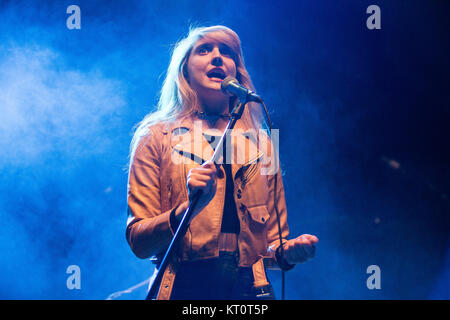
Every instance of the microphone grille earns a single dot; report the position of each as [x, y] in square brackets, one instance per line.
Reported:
[226, 82]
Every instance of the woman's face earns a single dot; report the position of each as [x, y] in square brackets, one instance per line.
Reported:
[209, 63]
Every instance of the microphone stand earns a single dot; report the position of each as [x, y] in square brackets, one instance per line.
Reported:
[184, 224]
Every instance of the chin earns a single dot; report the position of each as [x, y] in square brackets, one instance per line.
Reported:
[213, 88]
[215, 85]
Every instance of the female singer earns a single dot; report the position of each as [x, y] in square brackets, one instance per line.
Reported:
[240, 221]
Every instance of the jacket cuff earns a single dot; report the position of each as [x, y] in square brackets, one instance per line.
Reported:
[281, 261]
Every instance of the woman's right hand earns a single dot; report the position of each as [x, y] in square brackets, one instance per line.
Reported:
[202, 178]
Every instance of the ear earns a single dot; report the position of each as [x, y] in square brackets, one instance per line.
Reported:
[185, 72]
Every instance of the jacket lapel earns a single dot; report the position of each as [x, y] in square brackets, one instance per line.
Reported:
[189, 143]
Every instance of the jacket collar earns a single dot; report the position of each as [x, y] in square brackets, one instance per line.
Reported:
[187, 139]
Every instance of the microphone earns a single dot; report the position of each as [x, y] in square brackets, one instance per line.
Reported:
[231, 86]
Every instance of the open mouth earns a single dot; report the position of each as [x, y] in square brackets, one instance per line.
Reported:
[216, 73]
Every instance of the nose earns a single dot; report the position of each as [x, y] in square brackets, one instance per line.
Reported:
[216, 57]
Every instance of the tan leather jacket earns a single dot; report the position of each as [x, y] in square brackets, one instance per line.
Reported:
[157, 185]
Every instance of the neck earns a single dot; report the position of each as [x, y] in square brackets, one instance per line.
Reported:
[215, 106]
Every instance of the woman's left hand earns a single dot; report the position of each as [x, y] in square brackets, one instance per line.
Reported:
[300, 249]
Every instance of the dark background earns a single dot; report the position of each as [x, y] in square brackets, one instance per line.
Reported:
[347, 101]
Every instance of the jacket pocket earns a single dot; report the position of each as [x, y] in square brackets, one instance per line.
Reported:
[257, 228]
[259, 214]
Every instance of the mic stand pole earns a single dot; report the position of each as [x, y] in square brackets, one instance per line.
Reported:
[184, 224]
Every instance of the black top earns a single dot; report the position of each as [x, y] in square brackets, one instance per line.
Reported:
[230, 220]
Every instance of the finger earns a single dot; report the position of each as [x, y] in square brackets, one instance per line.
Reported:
[204, 172]
[208, 172]
[305, 246]
[209, 165]
[308, 239]
[302, 240]
[197, 184]
[312, 238]
[201, 177]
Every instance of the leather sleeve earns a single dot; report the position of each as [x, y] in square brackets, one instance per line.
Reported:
[273, 231]
[148, 229]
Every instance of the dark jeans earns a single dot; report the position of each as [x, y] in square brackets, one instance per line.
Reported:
[217, 279]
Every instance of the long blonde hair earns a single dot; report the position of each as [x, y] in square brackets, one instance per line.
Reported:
[178, 99]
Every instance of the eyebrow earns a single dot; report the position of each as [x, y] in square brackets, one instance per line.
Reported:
[201, 45]
[211, 43]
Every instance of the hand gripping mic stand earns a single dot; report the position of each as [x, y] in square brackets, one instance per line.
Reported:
[184, 224]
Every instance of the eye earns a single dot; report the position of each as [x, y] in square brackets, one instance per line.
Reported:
[203, 49]
[226, 50]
